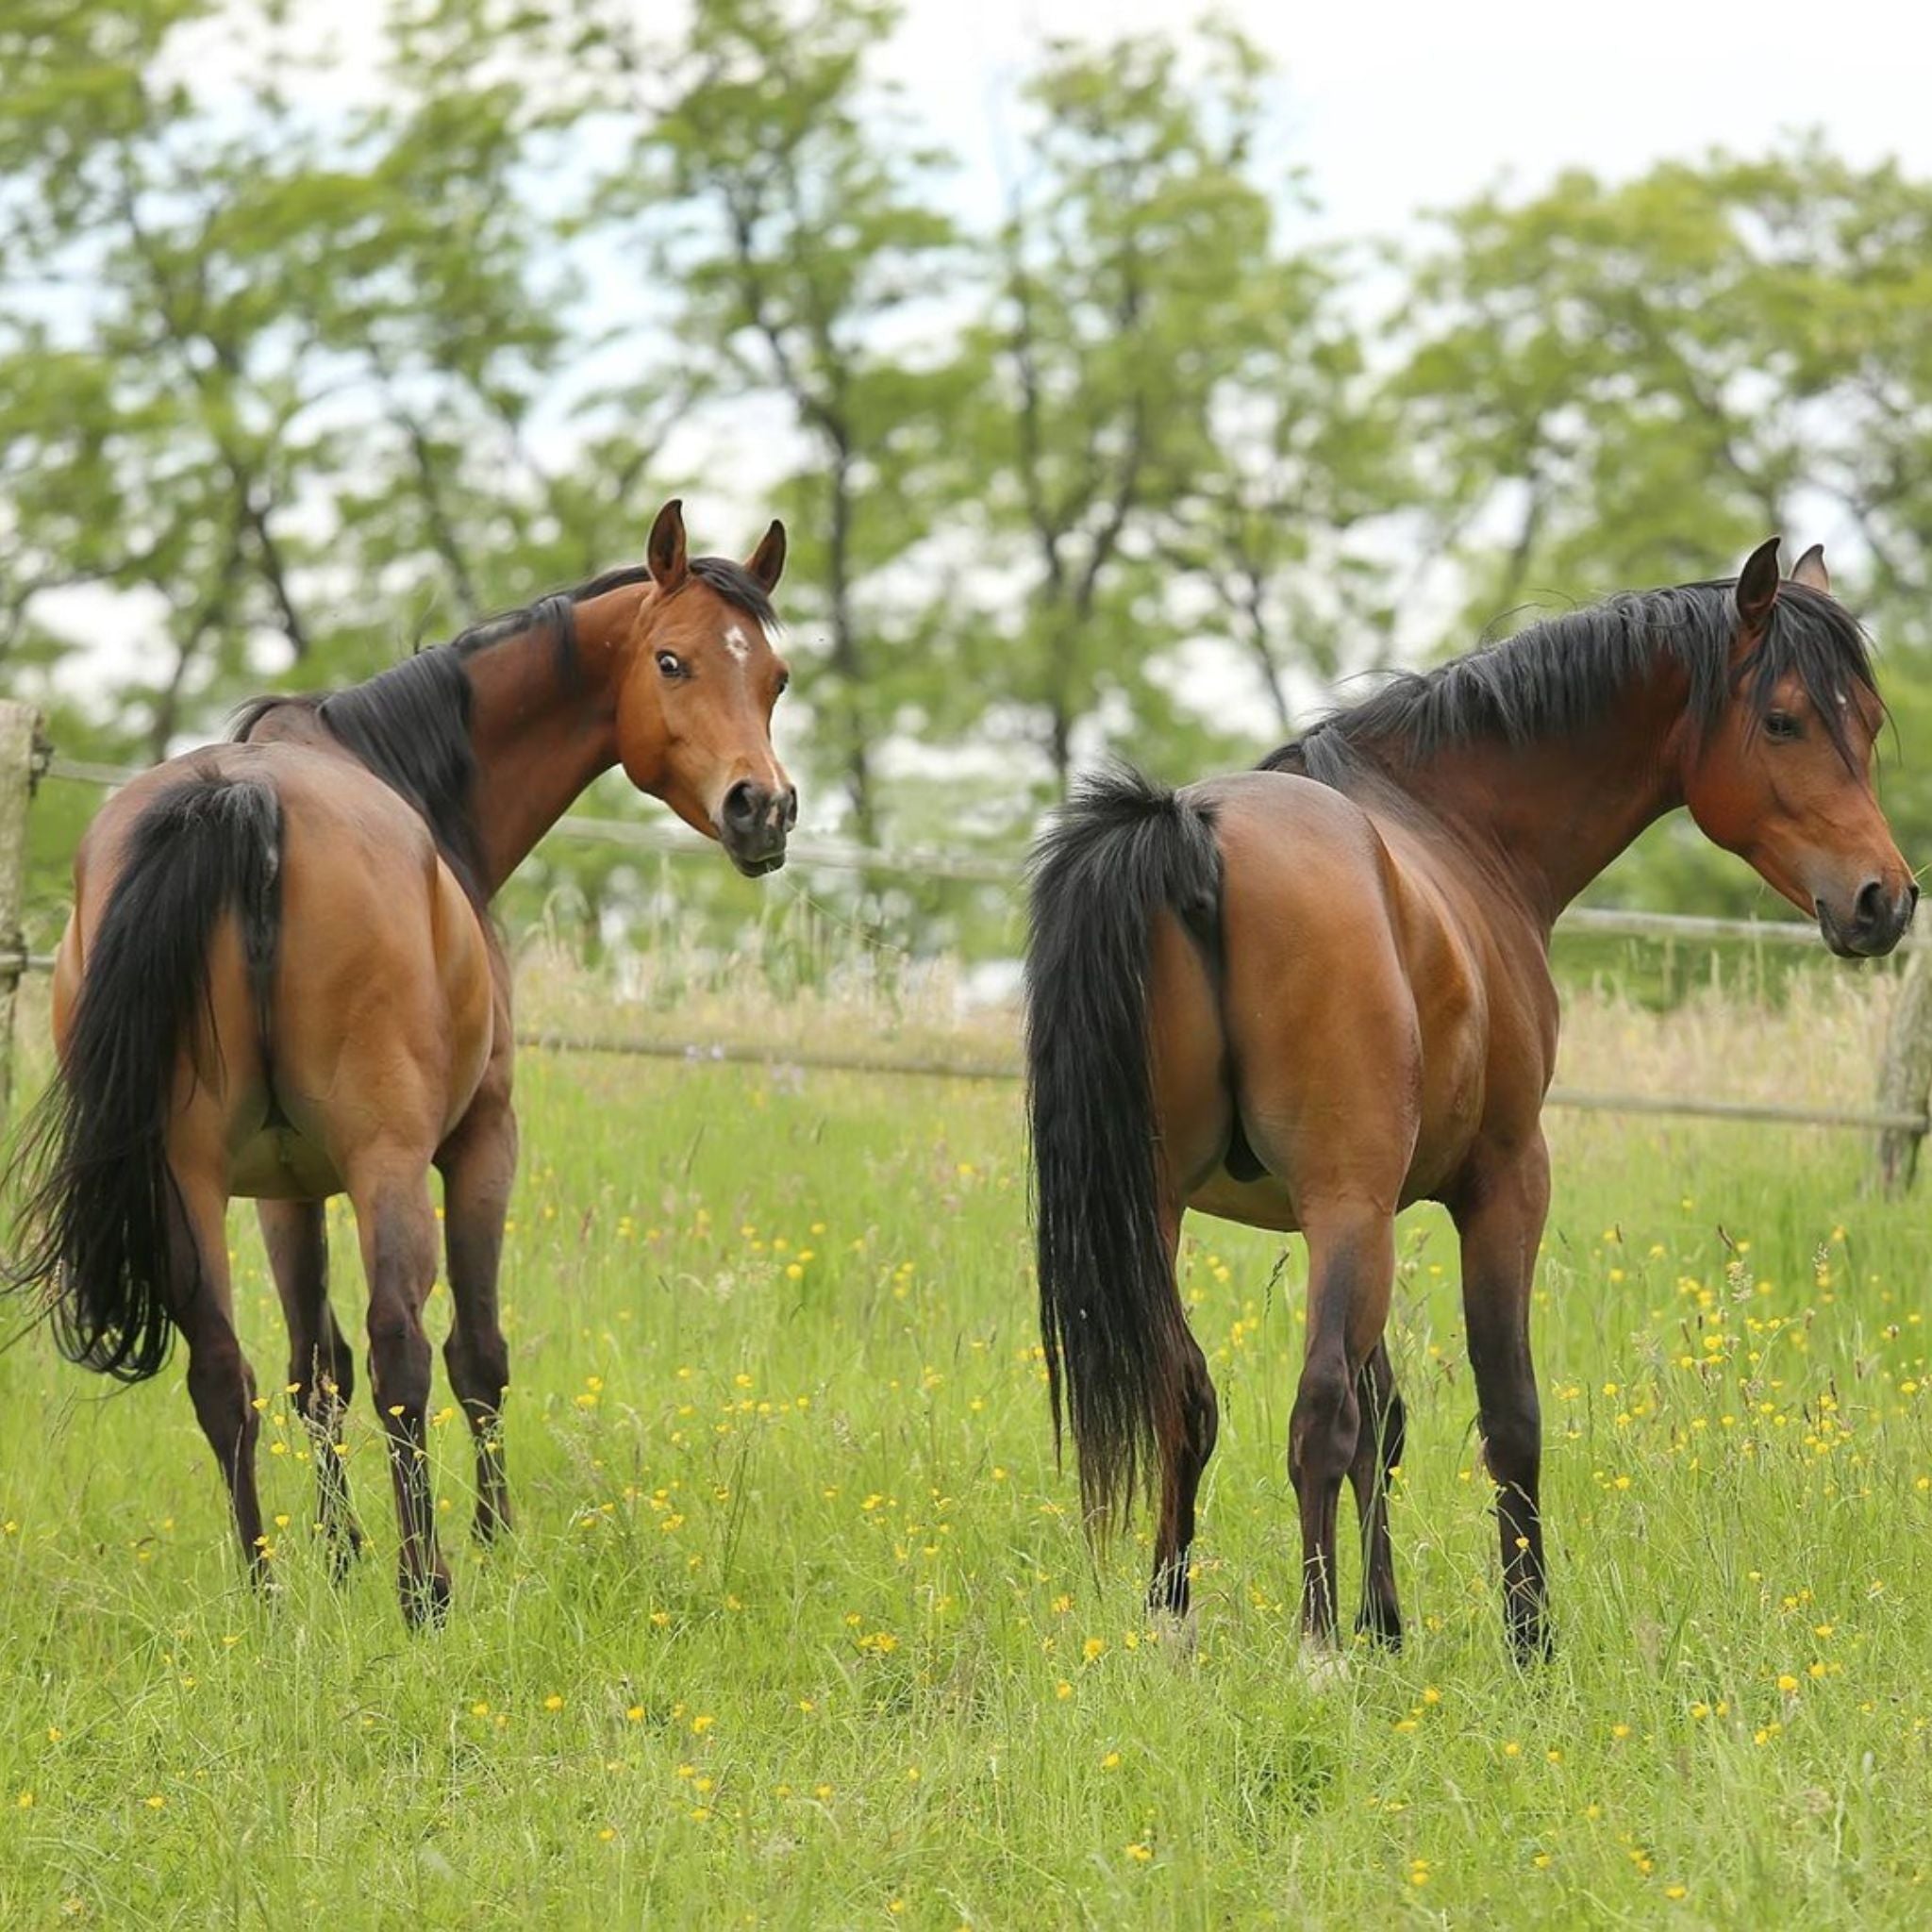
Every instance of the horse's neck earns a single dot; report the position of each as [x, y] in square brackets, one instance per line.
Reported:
[543, 729]
[1549, 816]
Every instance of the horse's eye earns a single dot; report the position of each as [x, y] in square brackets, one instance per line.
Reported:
[784, 682]
[670, 664]
[1781, 727]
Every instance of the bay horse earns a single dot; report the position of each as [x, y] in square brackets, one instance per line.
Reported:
[1305, 996]
[281, 980]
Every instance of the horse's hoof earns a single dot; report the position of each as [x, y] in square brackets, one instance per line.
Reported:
[425, 1600]
[1322, 1666]
[1181, 1633]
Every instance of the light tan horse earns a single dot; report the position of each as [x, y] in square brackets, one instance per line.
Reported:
[1306, 997]
[280, 981]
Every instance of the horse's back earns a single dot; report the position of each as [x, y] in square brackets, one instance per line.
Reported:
[377, 1016]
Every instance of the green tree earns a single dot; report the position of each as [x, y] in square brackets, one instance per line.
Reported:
[1287, 520]
[1588, 387]
[1154, 357]
[270, 370]
[256, 309]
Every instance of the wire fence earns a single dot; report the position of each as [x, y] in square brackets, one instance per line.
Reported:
[1900, 1117]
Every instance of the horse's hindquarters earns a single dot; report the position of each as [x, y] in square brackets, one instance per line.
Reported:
[1321, 1047]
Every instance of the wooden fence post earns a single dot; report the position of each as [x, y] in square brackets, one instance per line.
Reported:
[20, 742]
[1905, 1074]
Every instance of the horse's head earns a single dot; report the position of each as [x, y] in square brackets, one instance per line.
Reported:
[1783, 775]
[697, 681]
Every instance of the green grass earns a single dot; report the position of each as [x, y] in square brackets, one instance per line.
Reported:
[799, 1628]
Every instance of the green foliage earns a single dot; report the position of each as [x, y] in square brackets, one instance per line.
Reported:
[278, 300]
[310, 352]
[1144, 316]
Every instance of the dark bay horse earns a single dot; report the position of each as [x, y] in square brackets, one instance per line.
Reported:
[280, 981]
[1308, 995]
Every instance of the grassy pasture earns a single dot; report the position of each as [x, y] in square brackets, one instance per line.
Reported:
[798, 1627]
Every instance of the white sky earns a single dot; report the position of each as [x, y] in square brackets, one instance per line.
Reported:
[1396, 106]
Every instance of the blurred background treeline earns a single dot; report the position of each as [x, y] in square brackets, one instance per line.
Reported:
[323, 331]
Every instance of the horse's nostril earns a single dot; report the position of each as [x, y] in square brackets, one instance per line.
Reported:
[788, 815]
[742, 805]
[1867, 908]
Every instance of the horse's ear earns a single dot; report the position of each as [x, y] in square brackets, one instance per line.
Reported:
[1757, 585]
[767, 562]
[1811, 572]
[664, 553]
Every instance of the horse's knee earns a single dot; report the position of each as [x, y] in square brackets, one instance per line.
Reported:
[479, 1366]
[1325, 1424]
[1513, 1443]
[398, 1360]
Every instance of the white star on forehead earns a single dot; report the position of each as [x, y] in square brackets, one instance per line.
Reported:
[736, 643]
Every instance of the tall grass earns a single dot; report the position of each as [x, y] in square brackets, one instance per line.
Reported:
[798, 1627]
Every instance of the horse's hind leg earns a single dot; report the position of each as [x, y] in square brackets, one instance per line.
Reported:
[1192, 1109]
[321, 1365]
[220, 1381]
[1351, 1276]
[1187, 1442]
[1499, 1214]
[1377, 1451]
[478, 1164]
[397, 1228]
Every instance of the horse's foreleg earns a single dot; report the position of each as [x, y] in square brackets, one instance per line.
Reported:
[1499, 1214]
[478, 1164]
[321, 1365]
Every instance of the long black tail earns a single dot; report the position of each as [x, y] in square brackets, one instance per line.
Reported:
[1120, 851]
[92, 1158]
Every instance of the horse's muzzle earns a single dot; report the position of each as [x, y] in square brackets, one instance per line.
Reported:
[1875, 925]
[753, 823]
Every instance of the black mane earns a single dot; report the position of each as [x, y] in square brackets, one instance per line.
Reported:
[1559, 677]
[411, 724]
